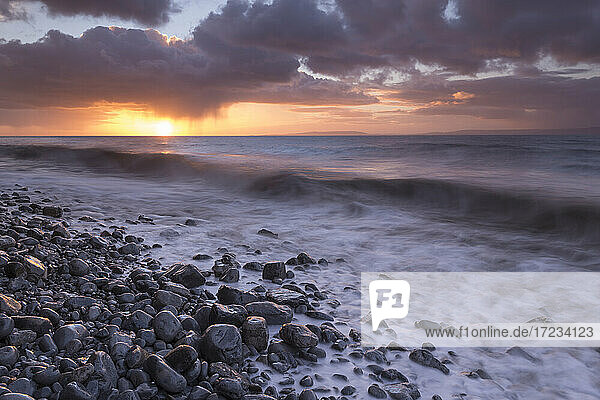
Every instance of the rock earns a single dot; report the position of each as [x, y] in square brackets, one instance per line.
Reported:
[34, 267]
[165, 377]
[298, 335]
[163, 298]
[304, 258]
[66, 333]
[105, 372]
[130, 249]
[288, 297]
[319, 315]
[39, 325]
[377, 392]
[255, 333]
[273, 270]
[274, 314]
[253, 266]
[201, 257]
[20, 338]
[137, 320]
[232, 314]
[230, 295]
[22, 385]
[166, 326]
[47, 377]
[7, 324]
[222, 342]
[267, 233]
[306, 381]
[6, 242]
[402, 391]
[53, 211]
[9, 305]
[186, 274]
[307, 394]
[74, 391]
[77, 302]
[199, 393]
[181, 358]
[425, 358]
[229, 388]
[8, 356]
[230, 275]
[15, 396]
[78, 267]
[47, 344]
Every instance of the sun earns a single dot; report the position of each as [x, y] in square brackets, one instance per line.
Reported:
[163, 128]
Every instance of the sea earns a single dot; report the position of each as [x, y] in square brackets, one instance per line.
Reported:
[363, 203]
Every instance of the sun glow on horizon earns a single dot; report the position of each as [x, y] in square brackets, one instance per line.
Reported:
[163, 128]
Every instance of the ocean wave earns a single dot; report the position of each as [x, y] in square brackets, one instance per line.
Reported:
[444, 197]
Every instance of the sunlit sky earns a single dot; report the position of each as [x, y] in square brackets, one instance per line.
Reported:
[184, 67]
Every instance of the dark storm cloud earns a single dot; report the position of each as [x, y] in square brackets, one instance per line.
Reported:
[148, 12]
[144, 68]
[548, 99]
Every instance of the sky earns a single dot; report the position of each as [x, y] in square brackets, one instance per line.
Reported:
[240, 67]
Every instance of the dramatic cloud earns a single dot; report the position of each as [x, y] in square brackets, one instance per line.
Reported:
[550, 100]
[144, 68]
[148, 12]
[534, 61]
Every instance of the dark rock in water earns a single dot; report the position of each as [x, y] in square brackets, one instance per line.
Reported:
[170, 233]
[166, 326]
[186, 274]
[58, 229]
[201, 257]
[39, 325]
[191, 222]
[304, 258]
[402, 391]
[163, 298]
[78, 267]
[6, 242]
[425, 358]
[319, 315]
[9, 305]
[255, 333]
[230, 295]
[7, 324]
[273, 270]
[298, 335]
[307, 394]
[53, 211]
[222, 342]
[268, 233]
[130, 248]
[165, 377]
[288, 297]
[199, 393]
[392, 374]
[8, 356]
[104, 372]
[227, 314]
[253, 266]
[377, 392]
[230, 275]
[66, 333]
[181, 358]
[274, 314]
